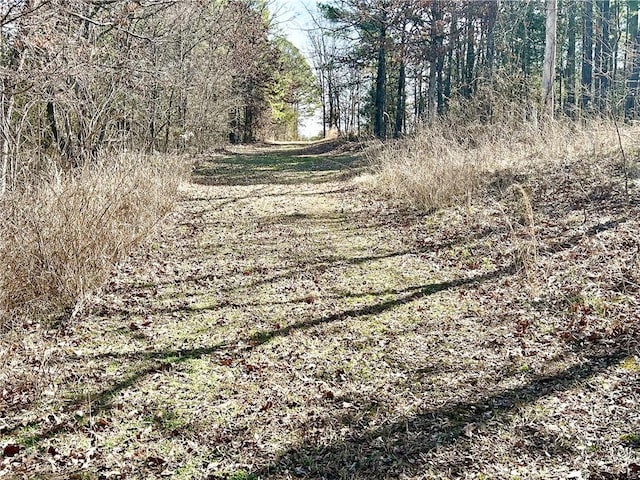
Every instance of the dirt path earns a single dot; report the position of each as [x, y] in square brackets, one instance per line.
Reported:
[285, 324]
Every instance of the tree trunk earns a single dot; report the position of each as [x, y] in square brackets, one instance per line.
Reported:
[449, 72]
[633, 61]
[53, 125]
[491, 37]
[332, 103]
[597, 54]
[440, 81]
[7, 104]
[570, 71]
[470, 60]
[549, 67]
[400, 101]
[416, 98]
[438, 42]
[379, 129]
[323, 96]
[587, 55]
[167, 132]
[6, 110]
[432, 93]
[606, 53]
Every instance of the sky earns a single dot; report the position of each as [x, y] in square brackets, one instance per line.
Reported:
[294, 21]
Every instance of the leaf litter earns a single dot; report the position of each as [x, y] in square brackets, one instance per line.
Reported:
[286, 322]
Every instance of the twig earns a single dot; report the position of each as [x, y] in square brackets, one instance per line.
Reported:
[109, 25]
[624, 163]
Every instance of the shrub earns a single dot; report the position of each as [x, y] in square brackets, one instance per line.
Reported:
[63, 232]
[445, 163]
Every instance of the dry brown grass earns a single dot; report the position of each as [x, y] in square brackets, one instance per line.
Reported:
[63, 232]
[446, 164]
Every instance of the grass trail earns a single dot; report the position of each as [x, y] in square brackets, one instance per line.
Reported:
[286, 324]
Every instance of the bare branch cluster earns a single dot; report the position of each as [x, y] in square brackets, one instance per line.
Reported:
[81, 76]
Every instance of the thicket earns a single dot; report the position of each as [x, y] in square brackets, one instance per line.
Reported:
[451, 162]
[63, 231]
[90, 92]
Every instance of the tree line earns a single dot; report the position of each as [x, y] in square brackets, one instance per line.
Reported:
[385, 66]
[82, 76]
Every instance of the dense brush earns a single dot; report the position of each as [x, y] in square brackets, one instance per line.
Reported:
[62, 233]
[444, 163]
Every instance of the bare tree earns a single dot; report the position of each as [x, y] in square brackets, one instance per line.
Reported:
[549, 66]
[82, 76]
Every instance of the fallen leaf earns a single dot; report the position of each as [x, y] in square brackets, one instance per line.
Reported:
[469, 428]
[155, 461]
[251, 368]
[100, 424]
[11, 450]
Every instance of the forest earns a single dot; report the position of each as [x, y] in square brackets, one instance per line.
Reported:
[441, 282]
[402, 63]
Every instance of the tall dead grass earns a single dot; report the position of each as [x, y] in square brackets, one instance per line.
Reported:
[446, 163]
[63, 232]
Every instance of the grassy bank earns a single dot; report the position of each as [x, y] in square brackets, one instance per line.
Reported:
[446, 163]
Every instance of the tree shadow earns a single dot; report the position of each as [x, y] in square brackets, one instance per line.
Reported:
[258, 193]
[398, 448]
[168, 359]
[564, 243]
[314, 164]
[315, 265]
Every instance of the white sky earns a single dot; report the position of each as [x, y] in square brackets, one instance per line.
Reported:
[294, 20]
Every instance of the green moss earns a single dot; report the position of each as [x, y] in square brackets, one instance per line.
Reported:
[589, 304]
[188, 471]
[241, 475]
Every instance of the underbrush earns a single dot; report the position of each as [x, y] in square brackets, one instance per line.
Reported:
[63, 232]
[445, 163]
[556, 205]
[308, 327]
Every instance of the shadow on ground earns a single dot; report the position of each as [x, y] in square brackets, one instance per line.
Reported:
[358, 442]
[288, 164]
[397, 449]
[152, 362]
